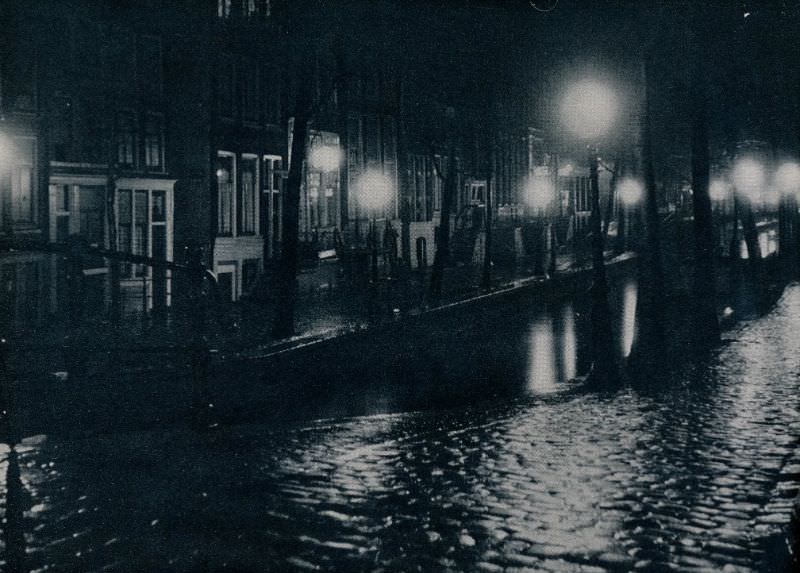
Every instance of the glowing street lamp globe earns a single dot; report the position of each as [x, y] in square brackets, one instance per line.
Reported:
[718, 190]
[589, 109]
[325, 158]
[630, 191]
[539, 192]
[749, 178]
[374, 191]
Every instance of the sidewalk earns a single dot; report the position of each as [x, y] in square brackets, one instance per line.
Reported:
[328, 305]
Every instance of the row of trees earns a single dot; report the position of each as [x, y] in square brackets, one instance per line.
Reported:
[689, 107]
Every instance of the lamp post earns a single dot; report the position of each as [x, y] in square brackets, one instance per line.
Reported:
[325, 159]
[539, 196]
[375, 189]
[589, 109]
[630, 192]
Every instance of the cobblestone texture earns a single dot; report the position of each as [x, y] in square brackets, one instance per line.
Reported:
[695, 475]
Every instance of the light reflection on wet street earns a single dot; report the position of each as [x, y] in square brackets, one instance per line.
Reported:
[695, 475]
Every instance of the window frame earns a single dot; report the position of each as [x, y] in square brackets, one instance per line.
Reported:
[231, 231]
[254, 198]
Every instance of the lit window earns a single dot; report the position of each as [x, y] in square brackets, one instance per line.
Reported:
[154, 142]
[127, 137]
[226, 183]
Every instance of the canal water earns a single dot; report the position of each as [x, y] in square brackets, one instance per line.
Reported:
[695, 473]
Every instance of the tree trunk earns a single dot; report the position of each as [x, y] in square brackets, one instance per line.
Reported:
[284, 319]
[706, 328]
[443, 244]
[653, 294]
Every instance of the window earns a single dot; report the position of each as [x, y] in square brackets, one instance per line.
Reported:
[250, 93]
[150, 64]
[271, 198]
[226, 86]
[226, 183]
[140, 228]
[247, 196]
[223, 8]
[251, 8]
[127, 137]
[154, 142]
[23, 207]
[125, 227]
[91, 201]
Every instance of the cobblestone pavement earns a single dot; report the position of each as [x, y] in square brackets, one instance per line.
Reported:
[697, 474]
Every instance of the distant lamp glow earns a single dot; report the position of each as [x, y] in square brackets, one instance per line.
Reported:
[589, 109]
[630, 191]
[565, 170]
[5, 150]
[221, 173]
[325, 158]
[787, 178]
[748, 177]
[539, 192]
[718, 190]
[375, 191]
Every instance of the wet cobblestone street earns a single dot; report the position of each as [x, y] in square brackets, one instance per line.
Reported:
[697, 474]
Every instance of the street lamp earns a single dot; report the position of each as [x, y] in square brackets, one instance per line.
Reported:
[589, 109]
[748, 179]
[540, 192]
[374, 194]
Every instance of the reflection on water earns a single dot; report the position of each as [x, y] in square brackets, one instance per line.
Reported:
[542, 376]
[569, 356]
[628, 318]
[555, 343]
